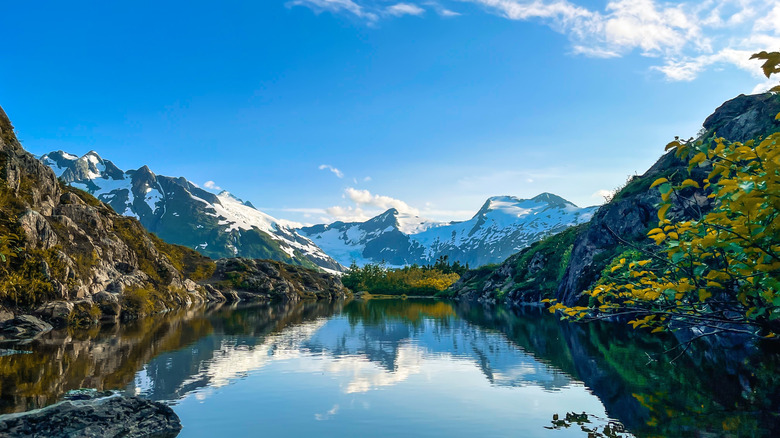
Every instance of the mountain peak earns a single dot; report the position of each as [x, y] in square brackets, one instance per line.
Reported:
[389, 212]
[387, 219]
[552, 199]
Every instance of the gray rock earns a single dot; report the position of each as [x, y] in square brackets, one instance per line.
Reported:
[23, 327]
[5, 315]
[113, 416]
[57, 312]
[37, 231]
[263, 280]
[108, 304]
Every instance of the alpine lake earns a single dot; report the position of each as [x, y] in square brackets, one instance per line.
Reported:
[405, 368]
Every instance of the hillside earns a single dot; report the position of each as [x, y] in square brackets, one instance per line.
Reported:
[568, 263]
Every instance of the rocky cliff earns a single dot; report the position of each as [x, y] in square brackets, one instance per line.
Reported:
[564, 265]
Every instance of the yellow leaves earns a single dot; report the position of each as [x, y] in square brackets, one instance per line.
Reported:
[698, 158]
[662, 211]
[658, 182]
[731, 249]
[718, 275]
[555, 307]
[643, 321]
[772, 60]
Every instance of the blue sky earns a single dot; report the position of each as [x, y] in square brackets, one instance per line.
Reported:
[317, 110]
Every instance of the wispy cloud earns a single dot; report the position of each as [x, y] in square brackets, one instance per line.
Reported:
[211, 185]
[336, 6]
[335, 171]
[686, 37]
[401, 9]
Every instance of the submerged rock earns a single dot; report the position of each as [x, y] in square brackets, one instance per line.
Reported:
[92, 414]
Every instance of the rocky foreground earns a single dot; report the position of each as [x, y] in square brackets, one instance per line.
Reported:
[94, 414]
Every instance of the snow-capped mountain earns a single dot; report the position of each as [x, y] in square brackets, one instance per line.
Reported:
[180, 212]
[503, 226]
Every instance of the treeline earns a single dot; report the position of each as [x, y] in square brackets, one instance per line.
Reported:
[425, 280]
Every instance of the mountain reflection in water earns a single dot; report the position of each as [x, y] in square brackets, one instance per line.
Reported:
[386, 367]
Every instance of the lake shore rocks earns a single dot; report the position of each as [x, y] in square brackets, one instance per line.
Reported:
[23, 327]
[94, 414]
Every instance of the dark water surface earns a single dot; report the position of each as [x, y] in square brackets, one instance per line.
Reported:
[389, 368]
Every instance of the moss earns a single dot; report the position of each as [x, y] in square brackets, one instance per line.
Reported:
[6, 129]
[86, 197]
[84, 314]
[187, 261]
[555, 252]
[143, 301]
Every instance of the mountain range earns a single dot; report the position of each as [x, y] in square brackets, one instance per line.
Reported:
[180, 212]
[503, 226]
[222, 225]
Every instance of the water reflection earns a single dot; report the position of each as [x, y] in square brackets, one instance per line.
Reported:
[347, 357]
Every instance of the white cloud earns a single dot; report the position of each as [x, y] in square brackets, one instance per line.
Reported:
[686, 37]
[365, 198]
[401, 9]
[336, 6]
[441, 10]
[367, 179]
[335, 171]
[447, 13]
[346, 214]
[211, 185]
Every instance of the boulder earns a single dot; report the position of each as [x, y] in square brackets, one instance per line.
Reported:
[23, 327]
[108, 303]
[83, 416]
[57, 312]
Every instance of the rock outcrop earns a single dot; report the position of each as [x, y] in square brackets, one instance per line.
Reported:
[111, 416]
[266, 280]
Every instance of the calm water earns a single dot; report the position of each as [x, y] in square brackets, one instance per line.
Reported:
[401, 368]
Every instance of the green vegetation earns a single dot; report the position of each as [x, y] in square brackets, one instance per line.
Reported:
[24, 274]
[186, 260]
[719, 270]
[555, 252]
[537, 269]
[425, 280]
[143, 301]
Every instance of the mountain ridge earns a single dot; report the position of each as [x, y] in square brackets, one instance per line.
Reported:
[180, 212]
[502, 226]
